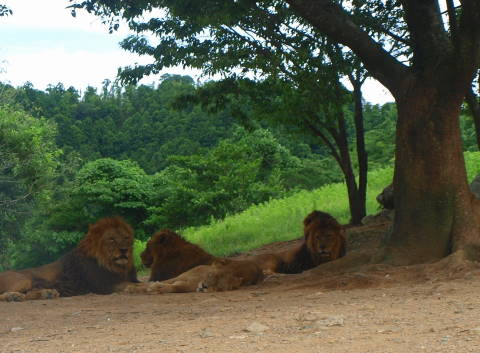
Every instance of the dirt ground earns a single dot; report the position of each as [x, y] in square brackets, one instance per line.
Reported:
[379, 309]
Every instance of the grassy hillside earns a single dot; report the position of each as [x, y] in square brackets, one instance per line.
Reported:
[281, 219]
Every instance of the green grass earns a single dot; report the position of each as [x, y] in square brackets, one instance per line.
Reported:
[281, 219]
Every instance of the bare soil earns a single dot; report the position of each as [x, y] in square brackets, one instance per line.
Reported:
[428, 308]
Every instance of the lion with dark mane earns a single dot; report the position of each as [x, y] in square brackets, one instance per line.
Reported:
[167, 254]
[101, 263]
[324, 240]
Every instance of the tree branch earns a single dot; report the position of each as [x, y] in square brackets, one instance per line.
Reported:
[469, 35]
[430, 41]
[333, 21]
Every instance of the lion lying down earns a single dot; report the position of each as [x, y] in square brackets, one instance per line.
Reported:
[102, 263]
[168, 255]
[324, 240]
[221, 275]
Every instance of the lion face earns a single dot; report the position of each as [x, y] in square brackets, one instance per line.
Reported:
[324, 242]
[324, 236]
[117, 244]
[110, 241]
[158, 247]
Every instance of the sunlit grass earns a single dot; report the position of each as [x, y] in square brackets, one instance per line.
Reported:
[281, 219]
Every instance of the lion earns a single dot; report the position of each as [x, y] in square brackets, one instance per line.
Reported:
[221, 275]
[168, 255]
[102, 263]
[324, 240]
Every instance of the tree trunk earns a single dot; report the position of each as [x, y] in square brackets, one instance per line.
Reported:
[357, 206]
[435, 211]
[361, 151]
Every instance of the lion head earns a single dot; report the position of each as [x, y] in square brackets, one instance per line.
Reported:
[110, 242]
[168, 255]
[324, 237]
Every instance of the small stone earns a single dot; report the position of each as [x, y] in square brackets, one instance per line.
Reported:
[314, 295]
[206, 333]
[330, 321]
[257, 327]
[15, 329]
[237, 337]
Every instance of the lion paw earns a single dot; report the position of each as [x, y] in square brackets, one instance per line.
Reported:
[202, 287]
[136, 288]
[12, 297]
[152, 287]
[43, 294]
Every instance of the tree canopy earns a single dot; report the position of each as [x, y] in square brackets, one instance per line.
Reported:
[426, 57]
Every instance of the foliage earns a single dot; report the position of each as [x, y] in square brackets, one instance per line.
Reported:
[137, 123]
[5, 10]
[281, 219]
[28, 165]
[103, 188]
[238, 172]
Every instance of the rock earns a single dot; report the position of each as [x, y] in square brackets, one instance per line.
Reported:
[385, 198]
[257, 327]
[206, 333]
[383, 216]
[330, 321]
[15, 329]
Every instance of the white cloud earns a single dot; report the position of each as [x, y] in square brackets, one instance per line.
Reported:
[79, 68]
[50, 14]
[66, 59]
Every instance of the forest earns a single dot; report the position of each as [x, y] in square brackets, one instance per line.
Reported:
[71, 157]
[181, 153]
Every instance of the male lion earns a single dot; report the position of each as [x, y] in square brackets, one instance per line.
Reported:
[221, 275]
[101, 263]
[168, 255]
[324, 241]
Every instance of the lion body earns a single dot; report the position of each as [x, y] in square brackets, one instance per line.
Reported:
[169, 255]
[324, 241]
[101, 263]
[221, 275]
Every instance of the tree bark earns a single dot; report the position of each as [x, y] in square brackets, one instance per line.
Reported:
[340, 152]
[436, 213]
[361, 150]
[357, 209]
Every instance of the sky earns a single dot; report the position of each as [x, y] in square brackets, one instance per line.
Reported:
[43, 44]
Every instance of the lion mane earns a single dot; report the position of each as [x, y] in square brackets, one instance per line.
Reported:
[168, 255]
[101, 263]
[324, 240]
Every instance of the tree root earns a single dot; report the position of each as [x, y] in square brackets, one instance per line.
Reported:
[371, 268]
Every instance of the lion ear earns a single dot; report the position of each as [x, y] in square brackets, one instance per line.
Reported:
[308, 219]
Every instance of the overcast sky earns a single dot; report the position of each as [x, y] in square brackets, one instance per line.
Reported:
[42, 43]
